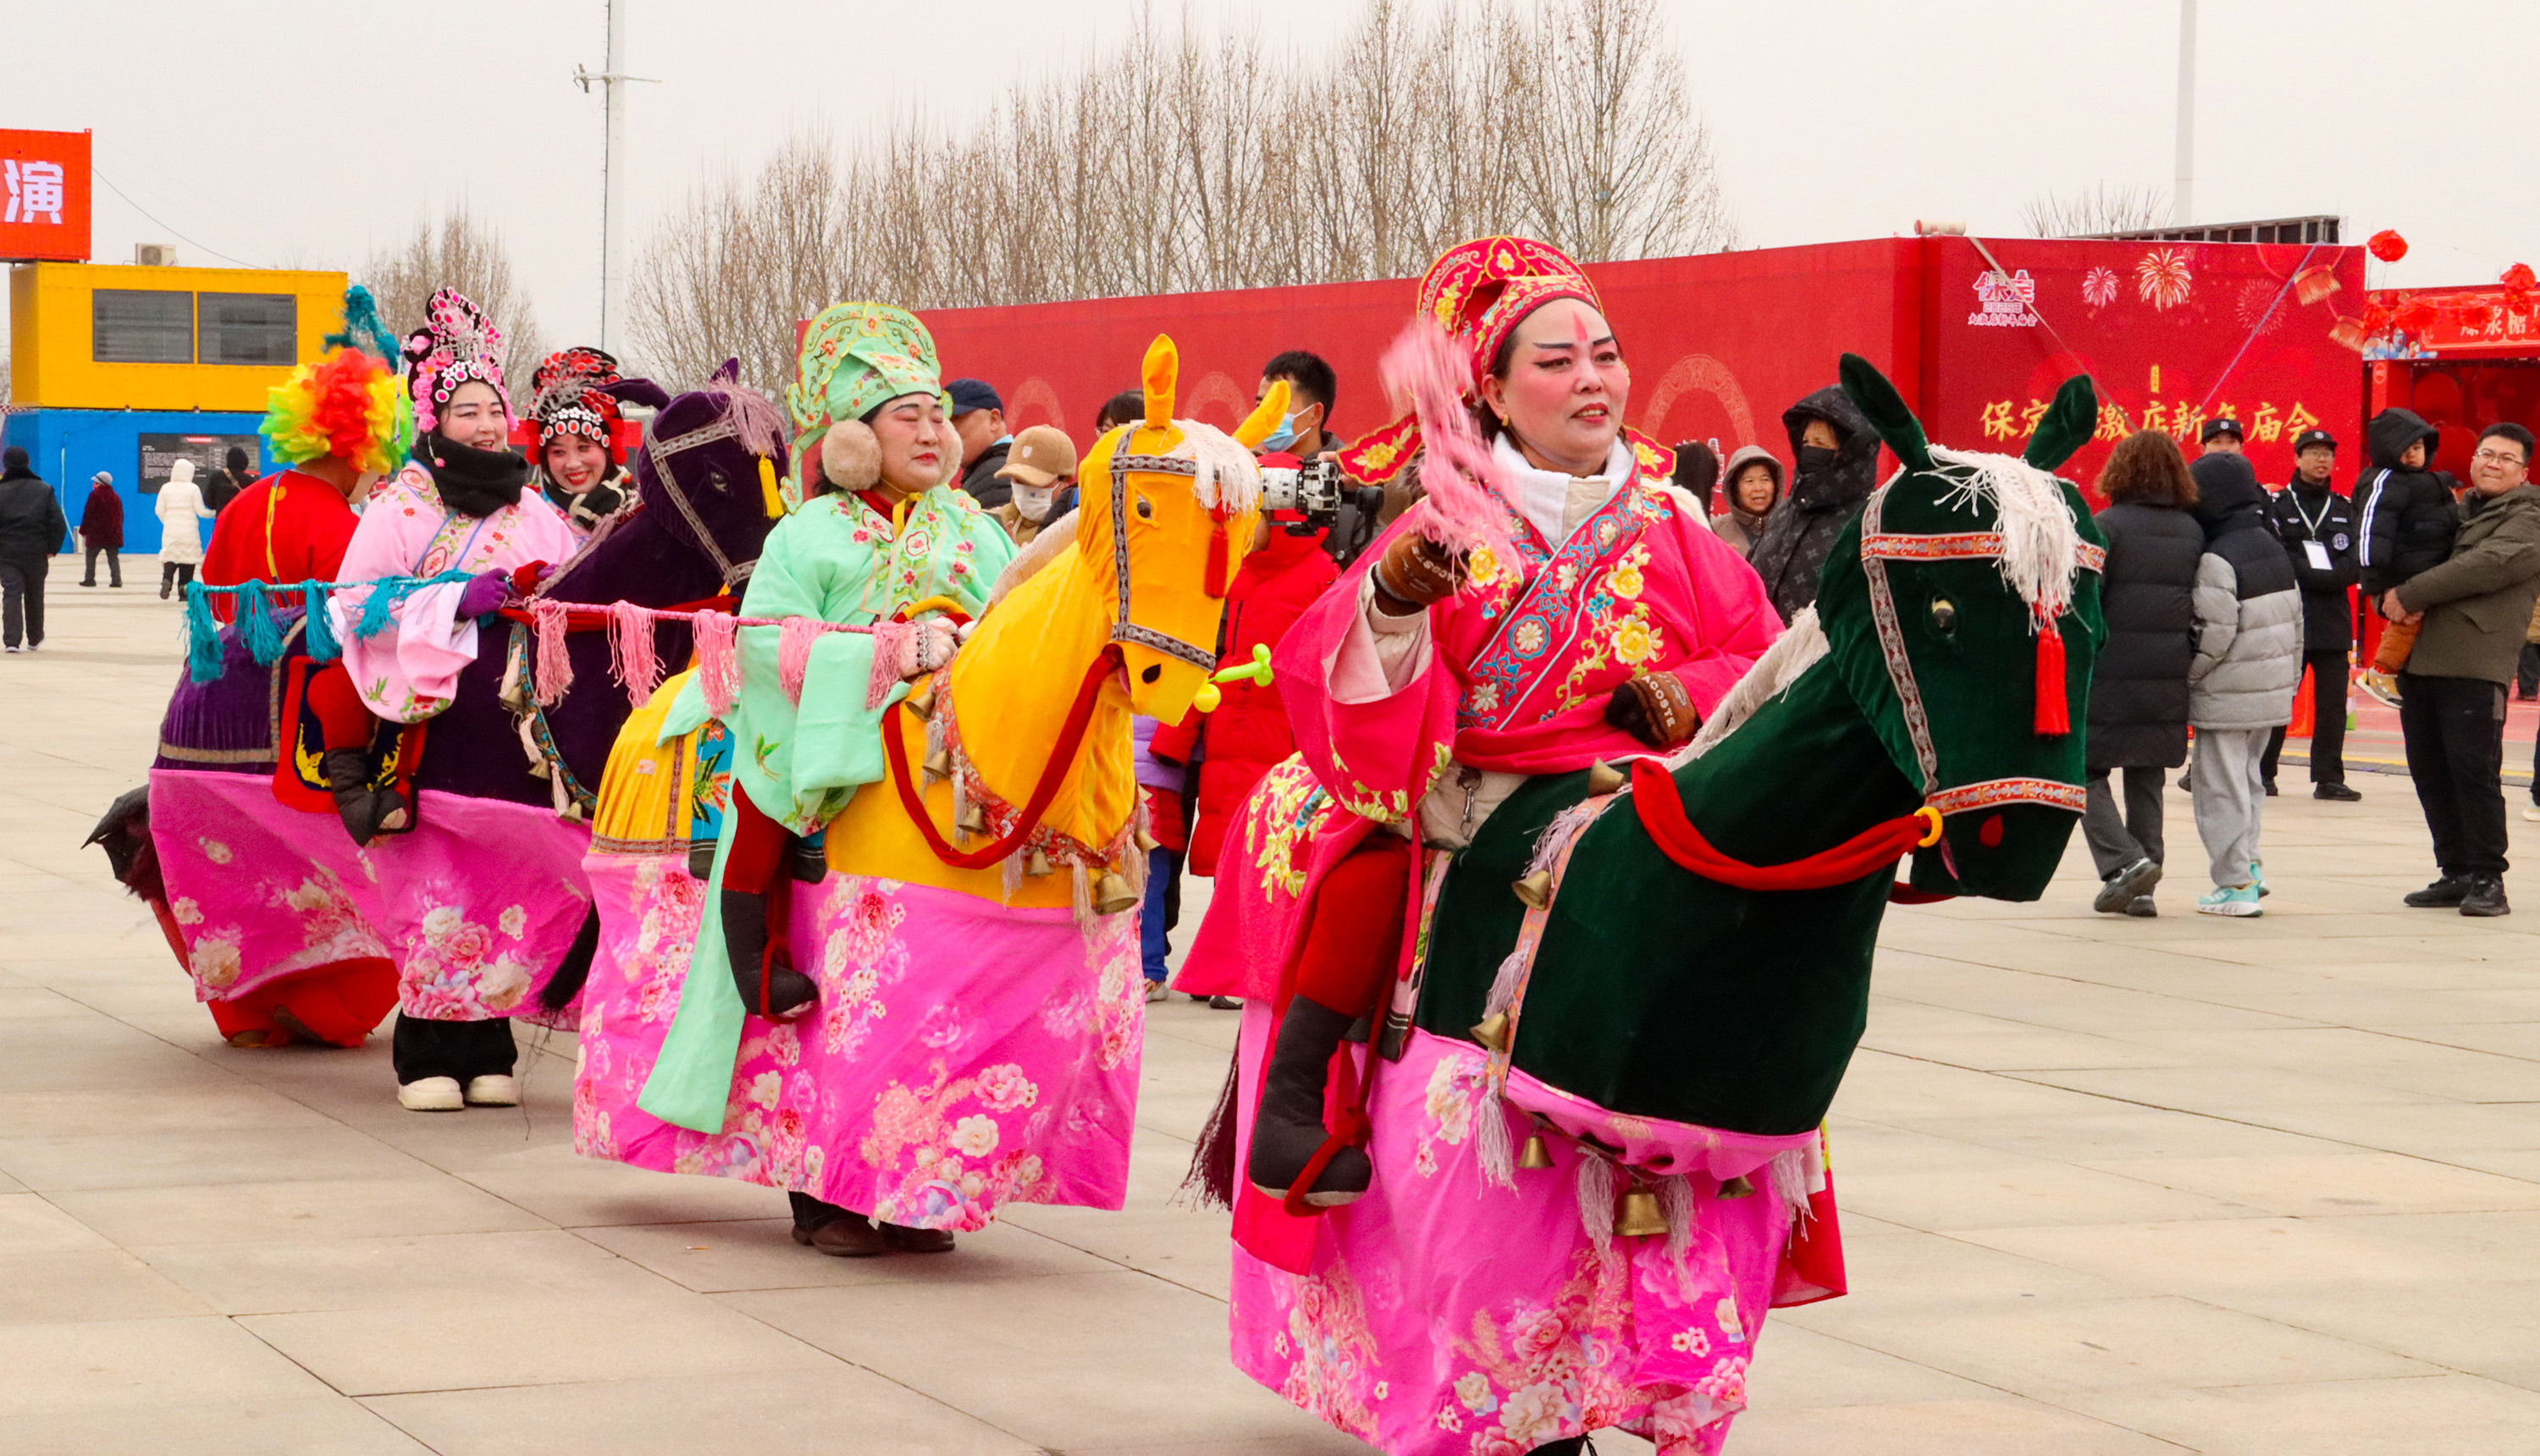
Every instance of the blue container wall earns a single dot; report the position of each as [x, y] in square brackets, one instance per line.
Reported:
[66, 446]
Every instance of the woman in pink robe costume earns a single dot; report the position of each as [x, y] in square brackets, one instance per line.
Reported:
[461, 504]
[1437, 1313]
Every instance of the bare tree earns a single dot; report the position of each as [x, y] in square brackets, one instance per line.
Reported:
[1175, 160]
[2102, 207]
[458, 251]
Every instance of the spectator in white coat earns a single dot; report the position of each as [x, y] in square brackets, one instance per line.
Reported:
[180, 541]
[2240, 686]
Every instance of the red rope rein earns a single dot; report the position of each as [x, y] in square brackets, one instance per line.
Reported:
[1062, 757]
[1872, 850]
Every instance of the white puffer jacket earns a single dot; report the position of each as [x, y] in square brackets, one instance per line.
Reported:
[2248, 617]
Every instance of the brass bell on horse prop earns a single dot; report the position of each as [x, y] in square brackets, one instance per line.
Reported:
[972, 820]
[922, 701]
[1147, 844]
[1737, 1187]
[1535, 889]
[939, 765]
[1493, 1032]
[1112, 893]
[1641, 1216]
[1535, 1154]
[1037, 863]
[1603, 778]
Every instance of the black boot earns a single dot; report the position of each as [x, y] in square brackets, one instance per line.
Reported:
[348, 778]
[2485, 897]
[1288, 1127]
[759, 966]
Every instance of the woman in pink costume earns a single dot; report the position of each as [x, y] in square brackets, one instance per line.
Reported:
[461, 504]
[1442, 1314]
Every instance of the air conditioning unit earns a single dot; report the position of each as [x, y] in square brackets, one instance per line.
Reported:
[155, 254]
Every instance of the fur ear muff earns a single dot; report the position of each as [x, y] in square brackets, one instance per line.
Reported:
[1887, 413]
[850, 455]
[2068, 426]
[952, 454]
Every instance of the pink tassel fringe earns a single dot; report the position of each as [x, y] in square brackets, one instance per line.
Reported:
[794, 654]
[632, 660]
[554, 665]
[891, 655]
[1467, 495]
[718, 663]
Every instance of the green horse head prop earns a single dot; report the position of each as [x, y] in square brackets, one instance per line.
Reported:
[1693, 940]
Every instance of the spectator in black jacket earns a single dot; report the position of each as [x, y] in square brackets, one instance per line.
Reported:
[227, 482]
[1837, 456]
[32, 527]
[2317, 526]
[2405, 518]
[979, 418]
[2139, 689]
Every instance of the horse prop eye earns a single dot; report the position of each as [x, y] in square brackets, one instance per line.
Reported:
[1145, 508]
[1945, 614]
[722, 487]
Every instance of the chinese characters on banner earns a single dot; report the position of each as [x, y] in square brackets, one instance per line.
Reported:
[44, 207]
[2014, 420]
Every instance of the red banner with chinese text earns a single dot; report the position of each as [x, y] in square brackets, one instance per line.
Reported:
[45, 195]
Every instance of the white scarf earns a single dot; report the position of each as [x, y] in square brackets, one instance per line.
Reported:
[1546, 498]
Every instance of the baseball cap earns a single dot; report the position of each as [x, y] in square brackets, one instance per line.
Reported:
[2220, 425]
[2308, 437]
[970, 394]
[1040, 455]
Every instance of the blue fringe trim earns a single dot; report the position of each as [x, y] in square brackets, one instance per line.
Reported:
[202, 635]
[320, 635]
[263, 634]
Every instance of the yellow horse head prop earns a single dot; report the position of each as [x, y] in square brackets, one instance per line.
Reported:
[1167, 511]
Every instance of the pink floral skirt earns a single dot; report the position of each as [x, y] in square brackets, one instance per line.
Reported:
[963, 1055]
[476, 907]
[1447, 1315]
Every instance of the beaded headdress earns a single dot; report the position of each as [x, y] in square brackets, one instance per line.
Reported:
[457, 344]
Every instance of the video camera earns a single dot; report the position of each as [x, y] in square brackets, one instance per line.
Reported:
[1308, 496]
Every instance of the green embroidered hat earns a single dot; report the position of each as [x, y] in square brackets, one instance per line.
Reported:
[854, 357]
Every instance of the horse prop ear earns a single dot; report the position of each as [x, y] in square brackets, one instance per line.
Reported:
[2068, 425]
[1265, 416]
[1877, 400]
[1162, 368]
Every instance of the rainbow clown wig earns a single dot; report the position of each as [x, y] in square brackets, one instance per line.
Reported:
[347, 404]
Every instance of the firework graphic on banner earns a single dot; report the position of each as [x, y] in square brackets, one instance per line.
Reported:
[2162, 278]
[2099, 288]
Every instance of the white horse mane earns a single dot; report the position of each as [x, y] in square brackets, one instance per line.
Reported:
[2040, 544]
[1228, 476]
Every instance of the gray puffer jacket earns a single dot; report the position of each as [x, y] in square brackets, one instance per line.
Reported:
[2248, 607]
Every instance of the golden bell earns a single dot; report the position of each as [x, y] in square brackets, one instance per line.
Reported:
[1147, 844]
[1641, 1216]
[972, 820]
[1493, 1032]
[1535, 889]
[1603, 778]
[1112, 893]
[1737, 1187]
[1037, 862]
[1535, 1154]
[922, 701]
[939, 764]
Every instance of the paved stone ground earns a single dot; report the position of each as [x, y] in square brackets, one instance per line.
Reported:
[2111, 1187]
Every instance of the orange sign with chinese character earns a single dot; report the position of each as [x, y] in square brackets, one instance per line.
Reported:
[45, 195]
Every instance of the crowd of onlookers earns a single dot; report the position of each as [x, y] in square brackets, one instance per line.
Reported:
[2219, 598]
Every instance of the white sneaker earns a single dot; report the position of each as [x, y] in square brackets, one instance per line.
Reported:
[430, 1094]
[2532, 813]
[498, 1090]
[1156, 991]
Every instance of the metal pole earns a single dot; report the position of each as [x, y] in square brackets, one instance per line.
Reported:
[2183, 187]
[613, 225]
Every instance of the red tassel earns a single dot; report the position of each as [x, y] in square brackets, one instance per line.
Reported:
[1221, 574]
[2054, 717]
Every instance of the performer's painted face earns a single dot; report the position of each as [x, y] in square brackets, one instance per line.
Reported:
[1565, 387]
[919, 449]
[576, 464]
[473, 417]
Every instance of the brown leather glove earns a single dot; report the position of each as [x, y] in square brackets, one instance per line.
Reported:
[1656, 709]
[1414, 573]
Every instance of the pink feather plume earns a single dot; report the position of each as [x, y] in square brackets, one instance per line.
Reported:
[1467, 494]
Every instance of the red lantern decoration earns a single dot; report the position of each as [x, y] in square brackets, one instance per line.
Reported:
[2388, 246]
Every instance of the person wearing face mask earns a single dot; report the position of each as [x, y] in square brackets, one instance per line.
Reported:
[463, 504]
[573, 414]
[1312, 386]
[880, 530]
[1837, 456]
[1041, 469]
[337, 425]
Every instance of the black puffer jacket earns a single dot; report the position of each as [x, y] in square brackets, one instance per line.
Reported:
[2404, 519]
[1801, 529]
[30, 516]
[2139, 689]
[982, 481]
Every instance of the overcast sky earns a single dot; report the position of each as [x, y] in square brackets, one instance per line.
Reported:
[290, 132]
